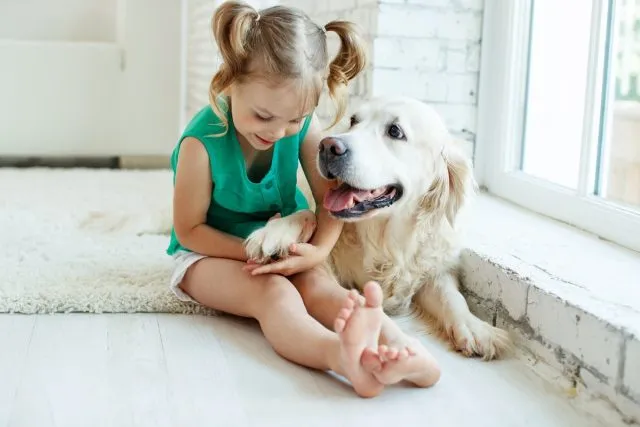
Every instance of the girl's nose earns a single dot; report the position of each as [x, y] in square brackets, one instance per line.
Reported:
[277, 134]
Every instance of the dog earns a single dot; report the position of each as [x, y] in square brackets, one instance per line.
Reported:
[400, 184]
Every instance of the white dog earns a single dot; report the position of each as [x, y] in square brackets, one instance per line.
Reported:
[400, 186]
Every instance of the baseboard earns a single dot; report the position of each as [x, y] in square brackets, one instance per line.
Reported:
[144, 162]
[112, 162]
[58, 162]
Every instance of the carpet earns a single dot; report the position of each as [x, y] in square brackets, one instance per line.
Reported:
[86, 240]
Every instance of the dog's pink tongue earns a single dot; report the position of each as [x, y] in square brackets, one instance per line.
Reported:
[342, 198]
[338, 199]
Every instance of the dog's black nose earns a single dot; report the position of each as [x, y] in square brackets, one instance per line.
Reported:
[334, 156]
[333, 145]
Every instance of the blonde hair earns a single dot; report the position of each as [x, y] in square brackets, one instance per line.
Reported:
[281, 43]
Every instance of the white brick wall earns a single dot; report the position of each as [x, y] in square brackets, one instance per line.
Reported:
[429, 49]
[202, 58]
[591, 346]
[581, 334]
[631, 378]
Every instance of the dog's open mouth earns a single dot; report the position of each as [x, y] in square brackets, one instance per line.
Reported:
[346, 201]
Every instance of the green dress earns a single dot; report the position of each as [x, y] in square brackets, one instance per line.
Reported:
[238, 205]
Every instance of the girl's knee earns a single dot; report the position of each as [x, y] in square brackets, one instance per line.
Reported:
[277, 288]
[316, 284]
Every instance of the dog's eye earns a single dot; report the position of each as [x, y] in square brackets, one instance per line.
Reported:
[354, 121]
[395, 132]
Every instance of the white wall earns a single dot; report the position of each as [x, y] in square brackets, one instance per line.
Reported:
[61, 20]
[202, 55]
[430, 49]
[151, 84]
[99, 78]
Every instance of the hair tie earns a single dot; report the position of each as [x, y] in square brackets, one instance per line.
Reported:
[324, 30]
[258, 17]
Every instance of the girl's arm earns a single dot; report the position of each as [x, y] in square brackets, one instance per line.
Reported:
[191, 198]
[304, 256]
[328, 228]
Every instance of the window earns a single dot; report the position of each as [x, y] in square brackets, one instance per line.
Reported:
[559, 111]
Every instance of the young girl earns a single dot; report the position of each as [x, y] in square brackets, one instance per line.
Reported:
[235, 168]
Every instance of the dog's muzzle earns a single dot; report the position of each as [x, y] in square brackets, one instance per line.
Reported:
[334, 156]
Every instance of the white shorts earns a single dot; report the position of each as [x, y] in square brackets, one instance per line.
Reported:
[182, 260]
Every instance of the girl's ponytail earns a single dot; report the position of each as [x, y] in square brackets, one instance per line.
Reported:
[231, 25]
[348, 63]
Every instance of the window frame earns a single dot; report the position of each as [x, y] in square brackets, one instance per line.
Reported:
[501, 107]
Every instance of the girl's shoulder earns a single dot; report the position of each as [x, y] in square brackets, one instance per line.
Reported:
[205, 124]
[210, 131]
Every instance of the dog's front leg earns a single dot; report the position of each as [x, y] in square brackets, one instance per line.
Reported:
[274, 239]
[443, 301]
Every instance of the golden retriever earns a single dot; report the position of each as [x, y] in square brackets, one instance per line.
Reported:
[401, 184]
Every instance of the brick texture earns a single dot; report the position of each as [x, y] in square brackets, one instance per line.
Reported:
[631, 378]
[590, 339]
[430, 49]
[202, 58]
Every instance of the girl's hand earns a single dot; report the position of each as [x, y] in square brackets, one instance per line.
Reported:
[302, 257]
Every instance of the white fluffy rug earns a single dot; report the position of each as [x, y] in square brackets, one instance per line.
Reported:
[85, 240]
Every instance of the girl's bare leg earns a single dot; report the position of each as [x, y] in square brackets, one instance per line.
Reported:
[323, 298]
[273, 300]
[399, 357]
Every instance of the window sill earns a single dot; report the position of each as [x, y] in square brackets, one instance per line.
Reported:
[572, 299]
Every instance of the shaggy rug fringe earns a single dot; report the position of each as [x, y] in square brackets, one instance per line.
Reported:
[86, 240]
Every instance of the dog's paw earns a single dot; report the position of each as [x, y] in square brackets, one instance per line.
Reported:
[475, 337]
[274, 239]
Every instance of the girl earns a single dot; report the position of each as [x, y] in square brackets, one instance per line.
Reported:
[235, 168]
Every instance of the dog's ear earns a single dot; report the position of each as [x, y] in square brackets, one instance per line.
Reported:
[453, 185]
[462, 184]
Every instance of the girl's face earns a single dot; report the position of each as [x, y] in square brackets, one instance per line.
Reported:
[264, 113]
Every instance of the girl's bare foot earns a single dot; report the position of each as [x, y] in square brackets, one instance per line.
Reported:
[358, 327]
[410, 362]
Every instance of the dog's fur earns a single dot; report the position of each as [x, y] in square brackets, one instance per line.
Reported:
[412, 246]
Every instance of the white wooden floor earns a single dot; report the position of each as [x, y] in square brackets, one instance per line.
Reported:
[169, 370]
